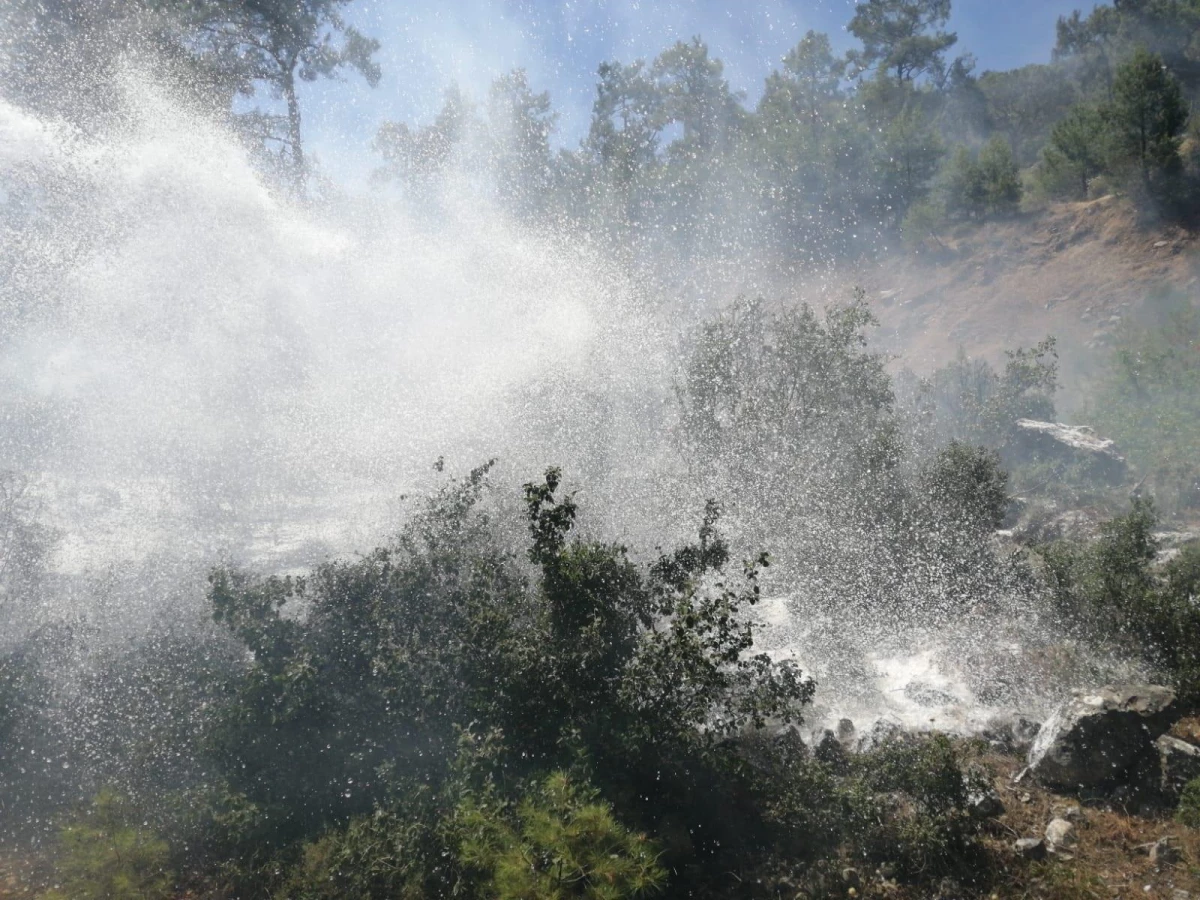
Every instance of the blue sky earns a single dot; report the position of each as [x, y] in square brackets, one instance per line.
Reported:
[429, 44]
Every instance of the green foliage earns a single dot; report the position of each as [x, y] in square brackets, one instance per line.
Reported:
[974, 403]
[907, 159]
[1149, 402]
[762, 394]
[559, 841]
[1146, 118]
[985, 184]
[902, 36]
[385, 853]
[1111, 594]
[520, 123]
[105, 855]
[904, 803]
[1189, 805]
[967, 485]
[1025, 104]
[1075, 154]
[643, 668]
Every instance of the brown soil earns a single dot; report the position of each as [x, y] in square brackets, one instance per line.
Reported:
[1078, 271]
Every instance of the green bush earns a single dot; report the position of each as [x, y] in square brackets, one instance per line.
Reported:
[1111, 594]
[646, 669]
[904, 803]
[970, 401]
[1189, 804]
[104, 855]
[1149, 401]
[987, 183]
[559, 841]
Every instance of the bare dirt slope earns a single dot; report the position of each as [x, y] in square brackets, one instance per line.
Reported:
[1078, 271]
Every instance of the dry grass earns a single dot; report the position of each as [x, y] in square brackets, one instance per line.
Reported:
[1106, 861]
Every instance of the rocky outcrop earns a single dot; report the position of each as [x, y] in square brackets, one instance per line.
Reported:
[1095, 739]
[1070, 443]
[1179, 763]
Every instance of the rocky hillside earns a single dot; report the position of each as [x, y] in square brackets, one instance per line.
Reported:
[1074, 270]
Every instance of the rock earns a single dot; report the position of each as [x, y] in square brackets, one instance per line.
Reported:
[1179, 763]
[1073, 443]
[1091, 740]
[845, 731]
[1030, 848]
[1060, 835]
[1071, 813]
[1165, 852]
[851, 877]
[1011, 734]
[984, 803]
[949, 889]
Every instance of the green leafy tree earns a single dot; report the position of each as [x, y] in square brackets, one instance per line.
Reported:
[975, 404]
[808, 147]
[903, 37]
[626, 118]
[1076, 152]
[810, 85]
[1001, 177]
[106, 854]
[1146, 118]
[1025, 104]
[519, 124]
[621, 147]
[400, 650]
[1149, 401]
[906, 160]
[1097, 43]
[416, 156]
[560, 841]
[284, 42]
[696, 96]
[1111, 594]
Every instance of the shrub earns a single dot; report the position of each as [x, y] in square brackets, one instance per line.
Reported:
[646, 669]
[972, 402]
[103, 855]
[1149, 401]
[983, 184]
[1189, 804]
[557, 842]
[1110, 593]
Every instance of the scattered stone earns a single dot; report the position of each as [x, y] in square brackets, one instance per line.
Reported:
[1073, 443]
[984, 804]
[1092, 739]
[1179, 763]
[1030, 848]
[1165, 852]
[1160, 244]
[1027, 797]
[1060, 835]
[851, 877]
[949, 889]
[1180, 894]
[1071, 813]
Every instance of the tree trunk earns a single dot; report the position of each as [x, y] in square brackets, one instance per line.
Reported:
[293, 108]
